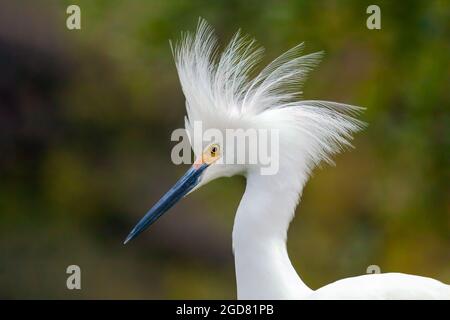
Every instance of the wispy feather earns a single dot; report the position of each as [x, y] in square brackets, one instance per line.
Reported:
[219, 85]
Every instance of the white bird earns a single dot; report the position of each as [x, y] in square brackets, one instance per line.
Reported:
[221, 94]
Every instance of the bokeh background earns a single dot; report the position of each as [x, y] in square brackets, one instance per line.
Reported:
[85, 124]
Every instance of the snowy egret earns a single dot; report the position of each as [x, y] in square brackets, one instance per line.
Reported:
[221, 94]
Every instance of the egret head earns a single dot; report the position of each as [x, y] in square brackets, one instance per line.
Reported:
[243, 118]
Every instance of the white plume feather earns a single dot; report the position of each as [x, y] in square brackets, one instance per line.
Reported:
[218, 86]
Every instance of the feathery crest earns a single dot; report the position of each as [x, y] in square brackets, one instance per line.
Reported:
[218, 86]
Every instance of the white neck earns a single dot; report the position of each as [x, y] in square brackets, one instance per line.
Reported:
[263, 268]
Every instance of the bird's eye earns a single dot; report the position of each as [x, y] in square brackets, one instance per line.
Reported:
[214, 150]
[211, 154]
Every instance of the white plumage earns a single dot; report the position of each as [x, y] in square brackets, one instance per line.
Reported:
[221, 93]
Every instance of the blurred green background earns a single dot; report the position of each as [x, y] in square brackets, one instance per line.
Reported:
[85, 124]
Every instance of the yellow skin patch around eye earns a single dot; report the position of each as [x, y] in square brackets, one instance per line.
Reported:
[209, 156]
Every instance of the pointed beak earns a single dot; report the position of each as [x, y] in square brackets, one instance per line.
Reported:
[183, 186]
